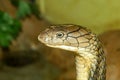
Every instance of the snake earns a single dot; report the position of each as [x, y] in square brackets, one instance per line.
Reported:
[89, 53]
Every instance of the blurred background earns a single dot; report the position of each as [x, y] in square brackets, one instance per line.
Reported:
[23, 57]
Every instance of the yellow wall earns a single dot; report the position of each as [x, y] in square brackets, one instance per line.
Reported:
[98, 15]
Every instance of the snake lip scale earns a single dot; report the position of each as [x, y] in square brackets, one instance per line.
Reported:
[90, 57]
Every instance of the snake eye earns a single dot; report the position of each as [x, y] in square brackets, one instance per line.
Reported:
[59, 35]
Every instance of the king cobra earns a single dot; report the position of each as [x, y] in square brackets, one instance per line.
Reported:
[89, 53]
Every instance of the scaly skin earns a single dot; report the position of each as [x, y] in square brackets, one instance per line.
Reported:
[90, 59]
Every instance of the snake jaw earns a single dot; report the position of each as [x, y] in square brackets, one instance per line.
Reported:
[68, 48]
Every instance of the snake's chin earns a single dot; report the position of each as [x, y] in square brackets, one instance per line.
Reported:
[68, 48]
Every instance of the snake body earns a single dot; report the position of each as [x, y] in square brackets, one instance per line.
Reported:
[90, 58]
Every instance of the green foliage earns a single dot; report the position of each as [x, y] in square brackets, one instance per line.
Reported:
[9, 29]
[25, 8]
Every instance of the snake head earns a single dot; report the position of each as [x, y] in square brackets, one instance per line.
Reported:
[67, 36]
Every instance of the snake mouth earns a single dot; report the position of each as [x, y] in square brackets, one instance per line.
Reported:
[64, 47]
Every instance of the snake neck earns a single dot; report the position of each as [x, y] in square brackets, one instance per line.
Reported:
[91, 66]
